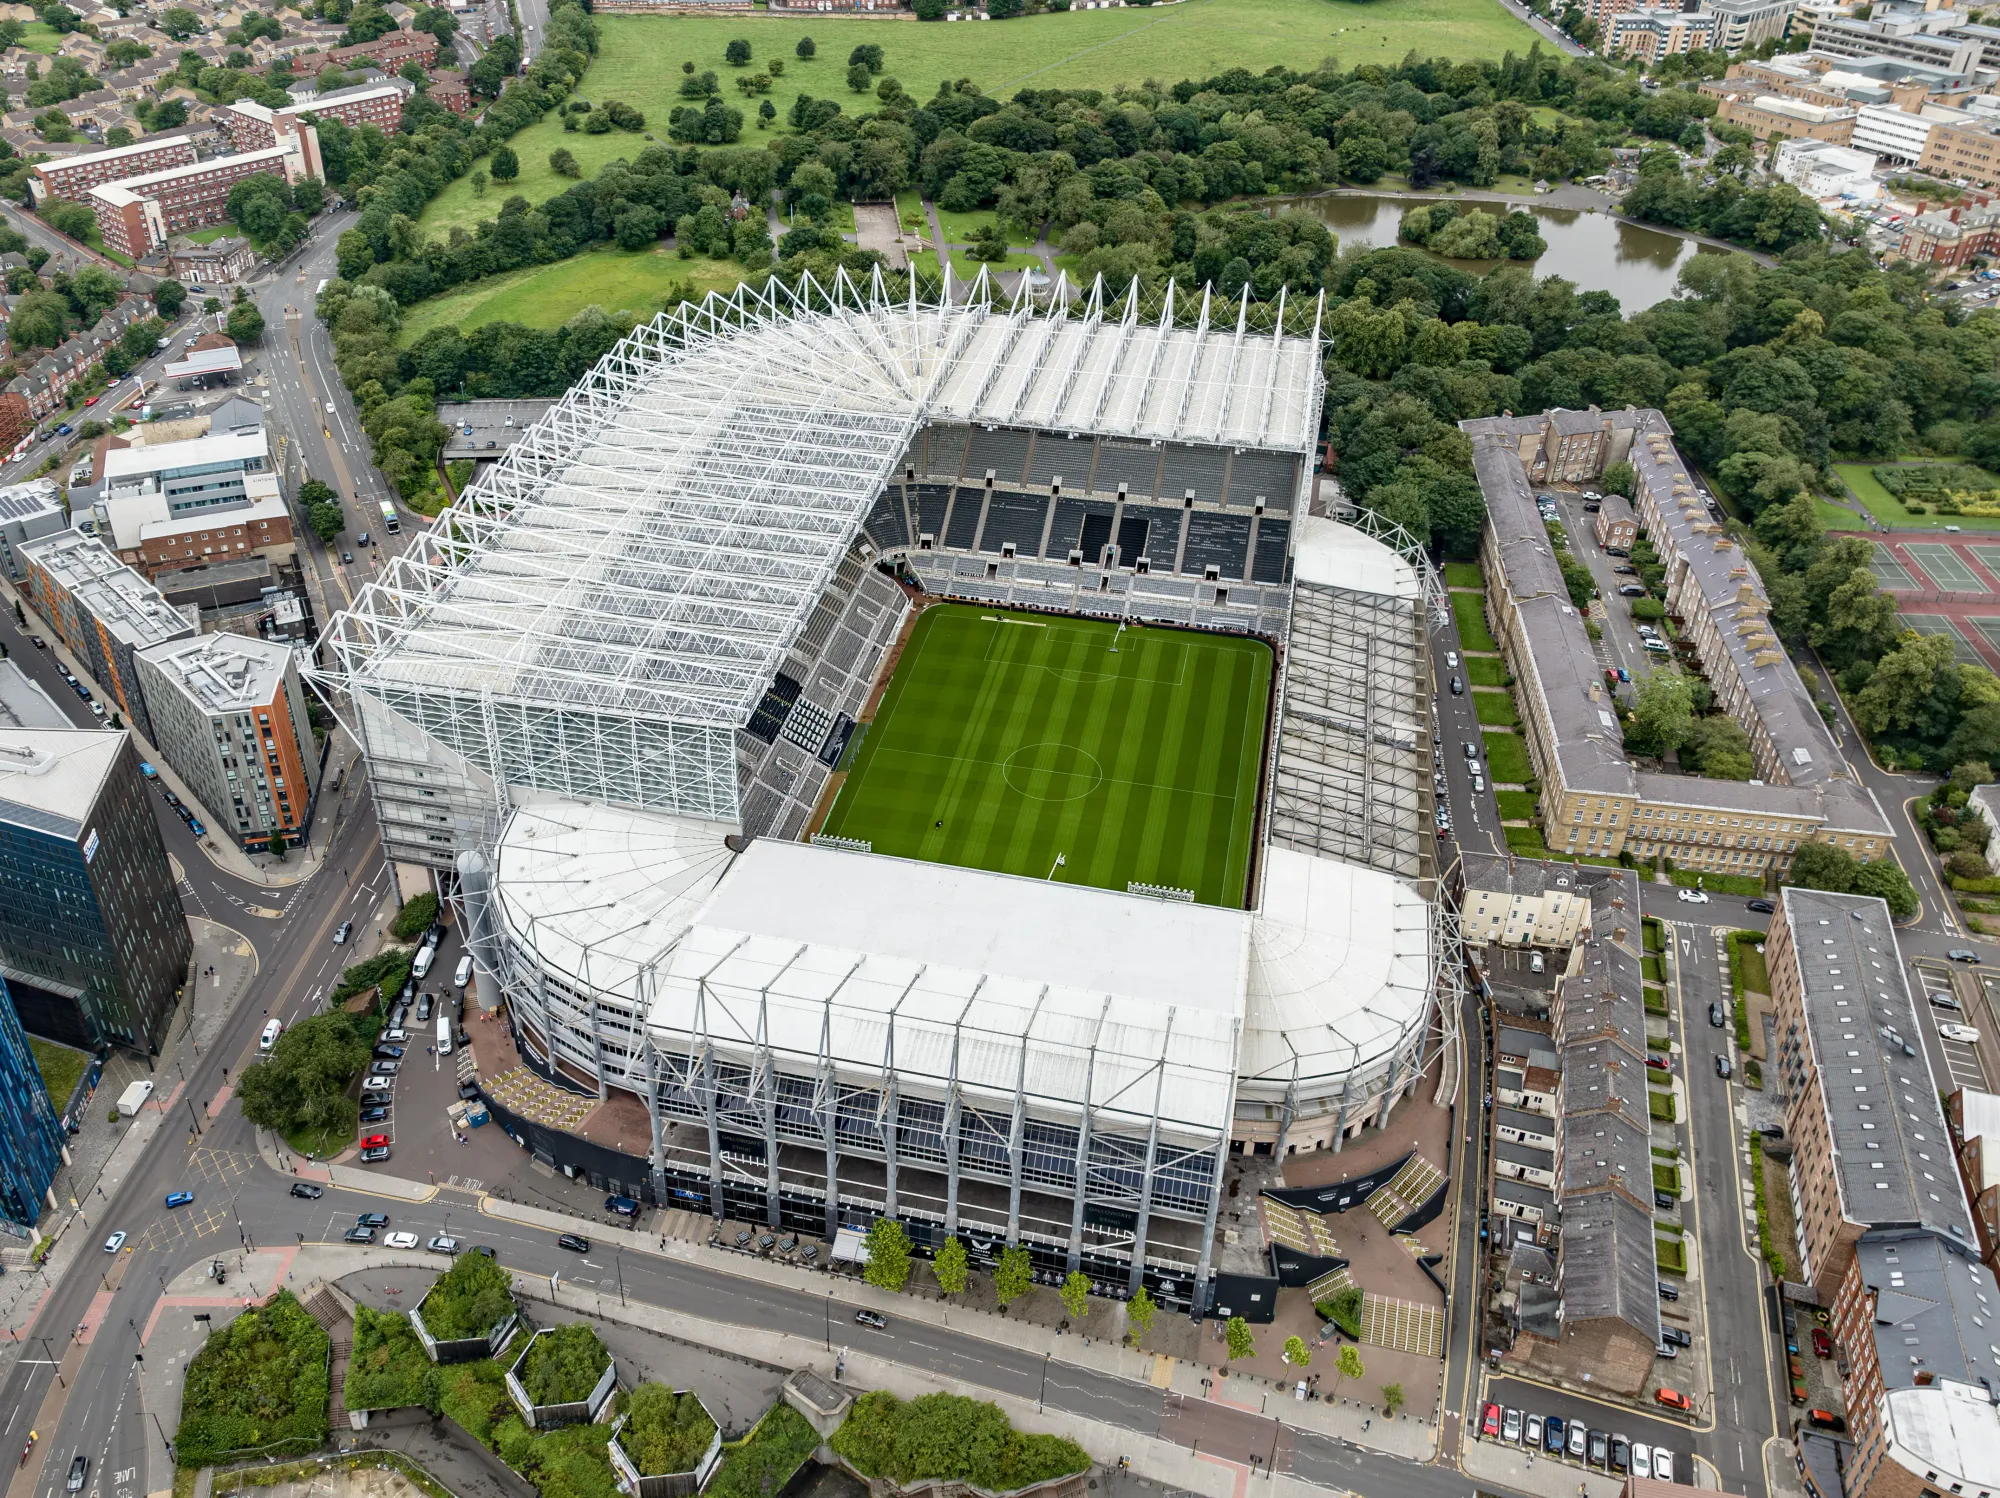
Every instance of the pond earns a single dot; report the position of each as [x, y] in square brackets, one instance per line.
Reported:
[1639, 266]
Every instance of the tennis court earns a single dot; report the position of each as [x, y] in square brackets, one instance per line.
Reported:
[1987, 557]
[1890, 573]
[1946, 567]
[1938, 624]
[1988, 626]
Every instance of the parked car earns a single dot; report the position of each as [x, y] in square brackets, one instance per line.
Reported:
[1512, 1430]
[1621, 1454]
[389, 1052]
[1945, 1001]
[1667, 1291]
[576, 1243]
[1666, 1350]
[1962, 954]
[400, 1240]
[1963, 1033]
[1625, 569]
[385, 1068]
[1676, 1336]
[374, 1139]
[178, 1199]
[372, 1220]
[624, 1206]
[1552, 1433]
[1451, 659]
[1531, 1432]
[1578, 1436]
[442, 1245]
[1715, 1018]
[1471, 749]
[1674, 1399]
[1457, 687]
[1600, 1448]
[360, 1235]
[1822, 1344]
[375, 1154]
[115, 1242]
[307, 1190]
[1489, 1423]
[377, 1114]
[1632, 590]
[1826, 1420]
[1666, 1201]
[1724, 1068]
[1663, 1464]
[1642, 1459]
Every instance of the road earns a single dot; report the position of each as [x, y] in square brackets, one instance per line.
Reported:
[1550, 32]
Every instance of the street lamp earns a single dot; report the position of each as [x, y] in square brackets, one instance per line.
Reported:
[828, 1304]
[1043, 1393]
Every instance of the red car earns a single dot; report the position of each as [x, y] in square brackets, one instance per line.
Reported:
[1673, 1399]
[1490, 1424]
[373, 1140]
[1822, 1344]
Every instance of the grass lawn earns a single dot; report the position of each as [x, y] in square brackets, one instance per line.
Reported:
[1496, 708]
[1463, 575]
[40, 36]
[1527, 841]
[960, 227]
[1484, 671]
[1888, 509]
[1026, 738]
[211, 234]
[1721, 884]
[1838, 517]
[1516, 806]
[1470, 611]
[1756, 977]
[624, 283]
[61, 1068]
[1507, 759]
[640, 60]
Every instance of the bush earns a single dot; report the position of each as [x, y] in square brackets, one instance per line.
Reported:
[388, 971]
[665, 1432]
[778, 1447]
[564, 1365]
[1648, 609]
[388, 1368]
[948, 1436]
[415, 918]
[1968, 865]
[1344, 1310]
[468, 1299]
[257, 1385]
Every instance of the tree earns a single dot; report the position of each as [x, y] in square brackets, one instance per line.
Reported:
[1297, 1353]
[888, 1266]
[40, 320]
[302, 1083]
[867, 55]
[1618, 479]
[952, 1267]
[1347, 1364]
[506, 165]
[1236, 1334]
[1013, 1275]
[1139, 1312]
[1392, 1399]
[805, 48]
[766, 112]
[1075, 1293]
[478, 187]
[246, 323]
[737, 54]
[1662, 713]
[179, 22]
[563, 163]
[327, 522]
[930, 10]
[1914, 689]
[1885, 879]
[858, 78]
[1821, 866]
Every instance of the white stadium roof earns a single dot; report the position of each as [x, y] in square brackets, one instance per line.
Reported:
[654, 545]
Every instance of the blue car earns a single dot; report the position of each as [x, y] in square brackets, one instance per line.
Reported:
[148, 771]
[194, 826]
[179, 1198]
[1552, 1433]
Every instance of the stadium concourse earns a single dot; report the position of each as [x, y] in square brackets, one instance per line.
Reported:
[610, 699]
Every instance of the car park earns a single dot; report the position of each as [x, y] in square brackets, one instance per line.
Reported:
[1674, 1399]
[360, 1235]
[576, 1243]
[375, 1154]
[875, 1319]
[400, 1240]
[1964, 1033]
[115, 1242]
[1512, 1430]
[307, 1190]
[179, 1199]
[442, 1245]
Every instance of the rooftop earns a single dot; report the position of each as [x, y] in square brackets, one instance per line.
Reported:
[1948, 1427]
[218, 450]
[1933, 1304]
[120, 153]
[50, 777]
[26, 500]
[121, 601]
[23, 704]
[136, 185]
[1892, 1152]
[223, 673]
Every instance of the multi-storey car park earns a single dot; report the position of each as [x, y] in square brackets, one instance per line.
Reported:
[611, 699]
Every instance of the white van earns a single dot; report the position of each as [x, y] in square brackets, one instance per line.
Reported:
[270, 1036]
[463, 975]
[422, 964]
[444, 1035]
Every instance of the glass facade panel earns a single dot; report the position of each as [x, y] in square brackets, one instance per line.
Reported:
[30, 1134]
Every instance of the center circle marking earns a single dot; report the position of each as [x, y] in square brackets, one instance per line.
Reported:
[1051, 772]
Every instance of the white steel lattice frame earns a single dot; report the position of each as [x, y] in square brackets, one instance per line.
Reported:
[607, 605]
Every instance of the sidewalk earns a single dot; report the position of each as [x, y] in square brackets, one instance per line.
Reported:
[253, 868]
[104, 1153]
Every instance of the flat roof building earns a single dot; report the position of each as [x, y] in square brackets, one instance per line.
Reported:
[73, 178]
[93, 945]
[28, 512]
[229, 716]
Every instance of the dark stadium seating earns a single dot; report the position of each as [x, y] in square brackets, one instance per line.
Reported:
[1268, 566]
[1196, 468]
[963, 527]
[1006, 453]
[1137, 466]
[885, 525]
[929, 501]
[1274, 477]
[1133, 532]
[1096, 536]
[1066, 535]
[1062, 458]
[1218, 541]
[1017, 518]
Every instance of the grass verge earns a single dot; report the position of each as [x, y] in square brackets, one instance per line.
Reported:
[1495, 709]
[1506, 759]
[1469, 609]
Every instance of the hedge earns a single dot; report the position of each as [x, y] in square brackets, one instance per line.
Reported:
[1652, 968]
[387, 970]
[1772, 1258]
[1661, 1105]
[1672, 1254]
[949, 1436]
[415, 918]
[1976, 886]
[1343, 1310]
[1721, 884]
[388, 1368]
[467, 1299]
[1655, 933]
[259, 1385]
[1667, 1178]
[563, 1365]
[1656, 1000]
[665, 1432]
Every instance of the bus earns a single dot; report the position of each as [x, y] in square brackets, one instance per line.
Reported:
[391, 521]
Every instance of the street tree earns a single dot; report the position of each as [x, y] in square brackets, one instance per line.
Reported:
[1075, 1294]
[888, 1265]
[1347, 1364]
[952, 1267]
[1013, 1275]
[1236, 1336]
[1297, 1353]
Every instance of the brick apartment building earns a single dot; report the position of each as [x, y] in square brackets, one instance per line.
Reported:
[387, 52]
[137, 215]
[1951, 237]
[251, 126]
[72, 180]
[1975, 1125]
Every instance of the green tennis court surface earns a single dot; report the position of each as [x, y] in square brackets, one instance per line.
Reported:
[1945, 566]
[1937, 624]
[1006, 741]
[1890, 572]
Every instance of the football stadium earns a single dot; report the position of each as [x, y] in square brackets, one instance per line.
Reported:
[935, 761]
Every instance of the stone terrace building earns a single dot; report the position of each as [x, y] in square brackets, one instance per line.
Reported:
[1594, 800]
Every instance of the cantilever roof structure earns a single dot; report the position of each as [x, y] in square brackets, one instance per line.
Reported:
[654, 545]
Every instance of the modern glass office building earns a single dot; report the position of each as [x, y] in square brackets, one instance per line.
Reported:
[93, 944]
[31, 1137]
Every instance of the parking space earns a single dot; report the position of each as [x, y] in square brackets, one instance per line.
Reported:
[1621, 647]
[1890, 573]
[1937, 624]
[1945, 567]
[1596, 1418]
[1944, 1002]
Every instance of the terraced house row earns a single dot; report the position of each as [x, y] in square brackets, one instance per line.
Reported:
[1595, 800]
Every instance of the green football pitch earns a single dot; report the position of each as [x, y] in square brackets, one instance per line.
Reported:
[1007, 741]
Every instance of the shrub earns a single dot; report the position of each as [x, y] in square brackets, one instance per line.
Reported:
[777, 1448]
[415, 918]
[563, 1365]
[665, 1432]
[468, 1299]
[259, 1384]
[1344, 1310]
[388, 1368]
[388, 971]
[947, 1436]
[1969, 865]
